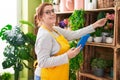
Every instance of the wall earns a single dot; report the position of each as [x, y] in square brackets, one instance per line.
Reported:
[28, 11]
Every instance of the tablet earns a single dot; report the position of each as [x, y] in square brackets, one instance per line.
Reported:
[83, 40]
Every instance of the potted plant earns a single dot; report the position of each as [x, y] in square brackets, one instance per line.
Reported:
[98, 65]
[19, 47]
[97, 35]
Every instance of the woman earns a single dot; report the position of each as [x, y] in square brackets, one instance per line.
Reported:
[52, 47]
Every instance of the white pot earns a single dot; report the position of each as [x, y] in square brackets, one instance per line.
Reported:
[56, 1]
[94, 4]
[109, 40]
[86, 2]
[90, 6]
[98, 39]
[90, 39]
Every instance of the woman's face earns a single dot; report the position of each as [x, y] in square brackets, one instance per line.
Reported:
[49, 17]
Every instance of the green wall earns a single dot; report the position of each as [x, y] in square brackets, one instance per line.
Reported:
[28, 11]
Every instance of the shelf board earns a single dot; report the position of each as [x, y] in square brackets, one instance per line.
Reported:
[92, 10]
[67, 12]
[94, 77]
[102, 9]
[100, 44]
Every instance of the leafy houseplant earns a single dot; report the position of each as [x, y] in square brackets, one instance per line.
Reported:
[98, 65]
[76, 21]
[18, 48]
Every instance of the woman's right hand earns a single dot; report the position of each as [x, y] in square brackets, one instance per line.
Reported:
[73, 52]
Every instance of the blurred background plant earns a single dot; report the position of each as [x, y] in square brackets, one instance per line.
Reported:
[64, 23]
[19, 47]
[6, 76]
[109, 26]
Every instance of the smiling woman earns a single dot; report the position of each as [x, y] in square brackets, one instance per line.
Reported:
[8, 15]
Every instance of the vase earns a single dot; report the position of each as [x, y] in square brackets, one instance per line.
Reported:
[90, 6]
[86, 4]
[63, 6]
[70, 5]
[94, 4]
[78, 4]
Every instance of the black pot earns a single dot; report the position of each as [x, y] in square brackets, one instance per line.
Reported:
[98, 72]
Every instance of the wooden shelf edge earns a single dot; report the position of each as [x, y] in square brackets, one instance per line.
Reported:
[92, 76]
[101, 44]
[101, 9]
[66, 12]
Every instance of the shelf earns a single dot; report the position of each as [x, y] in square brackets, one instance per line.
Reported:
[94, 77]
[101, 9]
[67, 12]
[101, 44]
[93, 10]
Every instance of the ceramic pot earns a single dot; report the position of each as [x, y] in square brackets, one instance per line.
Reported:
[94, 4]
[90, 39]
[98, 39]
[109, 40]
[78, 4]
[90, 6]
[104, 35]
[86, 2]
[98, 72]
[70, 5]
[63, 6]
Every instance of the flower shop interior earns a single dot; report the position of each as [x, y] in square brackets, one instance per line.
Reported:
[98, 60]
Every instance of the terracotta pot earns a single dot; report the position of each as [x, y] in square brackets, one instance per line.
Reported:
[78, 4]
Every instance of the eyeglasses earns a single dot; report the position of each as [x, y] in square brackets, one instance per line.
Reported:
[49, 11]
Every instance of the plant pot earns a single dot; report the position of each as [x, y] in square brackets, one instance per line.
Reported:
[111, 72]
[62, 6]
[104, 35]
[90, 6]
[98, 72]
[98, 39]
[78, 4]
[70, 5]
[90, 39]
[109, 40]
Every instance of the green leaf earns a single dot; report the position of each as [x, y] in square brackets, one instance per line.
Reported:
[27, 23]
[10, 61]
